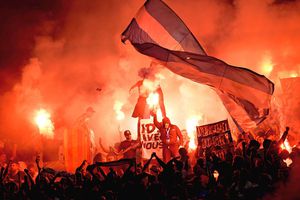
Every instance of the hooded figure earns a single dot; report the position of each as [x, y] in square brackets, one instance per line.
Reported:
[170, 136]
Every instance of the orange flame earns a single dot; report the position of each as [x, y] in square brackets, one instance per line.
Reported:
[44, 123]
[153, 99]
[286, 145]
[191, 124]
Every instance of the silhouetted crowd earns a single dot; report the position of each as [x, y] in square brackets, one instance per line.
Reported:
[251, 171]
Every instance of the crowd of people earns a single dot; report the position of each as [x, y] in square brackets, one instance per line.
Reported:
[251, 171]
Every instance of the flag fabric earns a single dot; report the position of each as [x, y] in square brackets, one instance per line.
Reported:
[157, 31]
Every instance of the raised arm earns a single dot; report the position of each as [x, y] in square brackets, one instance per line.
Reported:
[5, 171]
[161, 101]
[102, 148]
[147, 163]
[78, 169]
[162, 164]
[37, 161]
[156, 123]
[29, 176]
[137, 84]
[284, 135]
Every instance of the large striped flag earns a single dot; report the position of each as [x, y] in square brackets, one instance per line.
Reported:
[157, 31]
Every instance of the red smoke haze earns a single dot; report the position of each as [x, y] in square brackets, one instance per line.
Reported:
[77, 49]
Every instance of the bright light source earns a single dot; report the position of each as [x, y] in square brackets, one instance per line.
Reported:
[44, 123]
[191, 124]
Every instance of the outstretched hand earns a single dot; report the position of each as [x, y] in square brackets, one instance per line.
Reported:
[153, 112]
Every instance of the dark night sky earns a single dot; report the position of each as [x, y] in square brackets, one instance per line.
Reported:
[20, 23]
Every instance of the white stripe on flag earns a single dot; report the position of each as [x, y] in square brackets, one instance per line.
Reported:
[157, 32]
[253, 95]
[241, 116]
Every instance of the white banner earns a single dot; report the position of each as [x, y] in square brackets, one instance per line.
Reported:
[150, 138]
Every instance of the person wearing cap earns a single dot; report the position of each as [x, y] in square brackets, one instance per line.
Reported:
[170, 136]
[129, 146]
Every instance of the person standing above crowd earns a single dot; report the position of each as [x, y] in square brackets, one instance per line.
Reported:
[171, 137]
[148, 84]
[129, 146]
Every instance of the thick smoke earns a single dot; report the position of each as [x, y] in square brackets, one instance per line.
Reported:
[74, 48]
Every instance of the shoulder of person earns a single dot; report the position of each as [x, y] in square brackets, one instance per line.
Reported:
[173, 126]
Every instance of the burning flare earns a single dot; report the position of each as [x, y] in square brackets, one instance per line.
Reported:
[153, 99]
[286, 145]
[44, 123]
[191, 124]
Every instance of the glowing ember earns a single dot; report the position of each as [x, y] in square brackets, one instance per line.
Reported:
[152, 99]
[118, 109]
[191, 124]
[44, 123]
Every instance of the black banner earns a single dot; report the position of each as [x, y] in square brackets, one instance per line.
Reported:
[214, 137]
